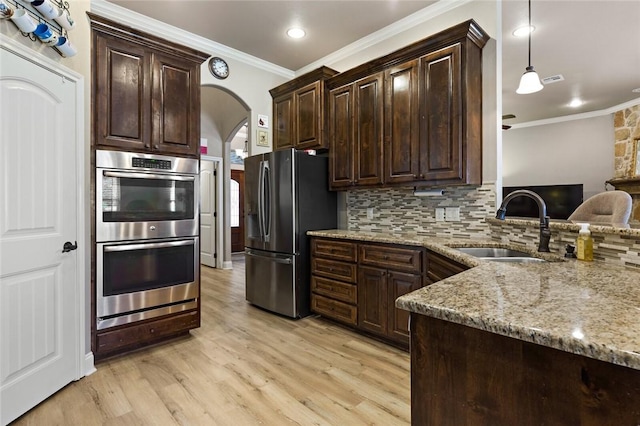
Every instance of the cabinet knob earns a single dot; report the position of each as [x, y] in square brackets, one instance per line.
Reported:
[415, 176]
[146, 145]
[156, 146]
[421, 175]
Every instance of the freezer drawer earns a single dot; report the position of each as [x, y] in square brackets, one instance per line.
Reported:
[271, 282]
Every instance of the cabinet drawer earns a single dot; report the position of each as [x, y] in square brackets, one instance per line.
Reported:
[135, 335]
[389, 257]
[334, 309]
[333, 269]
[335, 289]
[440, 267]
[339, 250]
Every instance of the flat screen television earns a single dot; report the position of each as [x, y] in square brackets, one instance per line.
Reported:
[561, 200]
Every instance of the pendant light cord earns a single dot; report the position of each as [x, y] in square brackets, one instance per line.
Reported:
[530, 33]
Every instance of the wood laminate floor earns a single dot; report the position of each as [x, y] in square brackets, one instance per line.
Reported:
[244, 366]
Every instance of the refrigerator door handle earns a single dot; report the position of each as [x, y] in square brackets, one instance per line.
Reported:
[285, 260]
[267, 202]
[261, 200]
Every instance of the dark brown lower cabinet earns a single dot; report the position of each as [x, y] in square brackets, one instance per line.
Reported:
[377, 291]
[465, 376]
[357, 284]
[132, 336]
[372, 300]
[398, 319]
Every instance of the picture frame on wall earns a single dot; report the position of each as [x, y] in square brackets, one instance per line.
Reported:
[263, 138]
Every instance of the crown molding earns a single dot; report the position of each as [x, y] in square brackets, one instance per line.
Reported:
[383, 34]
[582, 116]
[161, 29]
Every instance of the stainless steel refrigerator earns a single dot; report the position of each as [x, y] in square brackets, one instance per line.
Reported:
[286, 195]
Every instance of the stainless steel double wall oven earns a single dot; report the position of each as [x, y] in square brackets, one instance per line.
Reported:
[147, 245]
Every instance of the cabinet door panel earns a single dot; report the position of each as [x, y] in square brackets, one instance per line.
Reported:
[308, 117]
[283, 126]
[441, 120]
[400, 284]
[175, 106]
[368, 130]
[372, 300]
[341, 137]
[440, 267]
[121, 95]
[401, 149]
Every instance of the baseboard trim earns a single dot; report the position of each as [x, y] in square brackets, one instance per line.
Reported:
[89, 367]
[227, 264]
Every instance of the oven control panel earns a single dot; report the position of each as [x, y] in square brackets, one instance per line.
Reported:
[150, 163]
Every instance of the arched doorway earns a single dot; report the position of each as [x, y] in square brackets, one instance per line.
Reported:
[223, 114]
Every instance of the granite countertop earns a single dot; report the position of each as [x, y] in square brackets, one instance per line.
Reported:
[586, 308]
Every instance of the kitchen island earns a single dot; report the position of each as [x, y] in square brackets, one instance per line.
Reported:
[556, 342]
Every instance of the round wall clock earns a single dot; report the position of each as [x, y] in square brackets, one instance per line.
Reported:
[219, 68]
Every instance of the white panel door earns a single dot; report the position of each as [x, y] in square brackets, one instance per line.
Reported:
[39, 348]
[208, 213]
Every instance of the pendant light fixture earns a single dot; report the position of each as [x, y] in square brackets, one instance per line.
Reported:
[530, 82]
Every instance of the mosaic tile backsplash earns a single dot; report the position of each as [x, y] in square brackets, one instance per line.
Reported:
[618, 246]
[398, 210]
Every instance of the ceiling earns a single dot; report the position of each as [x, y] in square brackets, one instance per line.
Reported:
[594, 45]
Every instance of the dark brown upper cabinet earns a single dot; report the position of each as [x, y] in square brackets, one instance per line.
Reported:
[299, 111]
[146, 91]
[402, 121]
[356, 121]
[432, 115]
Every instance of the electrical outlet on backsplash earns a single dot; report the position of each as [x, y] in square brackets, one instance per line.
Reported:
[398, 210]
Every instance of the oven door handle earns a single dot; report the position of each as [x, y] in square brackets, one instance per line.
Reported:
[128, 247]
[127, 175]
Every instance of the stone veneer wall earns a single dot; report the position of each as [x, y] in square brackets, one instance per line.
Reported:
[626, 125]
[613, 248]
[398, 210]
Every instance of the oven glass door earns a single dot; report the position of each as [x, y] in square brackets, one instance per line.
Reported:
[146, 197]
[141, 275]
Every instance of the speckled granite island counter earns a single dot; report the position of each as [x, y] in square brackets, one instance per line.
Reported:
[554, 342]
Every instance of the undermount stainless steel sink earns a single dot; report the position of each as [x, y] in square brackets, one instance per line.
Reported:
[514, 259]
[497, 254]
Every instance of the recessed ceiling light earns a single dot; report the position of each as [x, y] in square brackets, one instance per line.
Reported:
[296, 33]
[576, 103]
[636, 90]
[524, 30]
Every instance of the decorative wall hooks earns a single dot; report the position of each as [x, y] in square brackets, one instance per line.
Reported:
[44, 20]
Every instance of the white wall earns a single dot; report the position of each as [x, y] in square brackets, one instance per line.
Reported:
[577, 151]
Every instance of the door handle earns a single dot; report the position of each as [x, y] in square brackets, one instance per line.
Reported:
[67, 247]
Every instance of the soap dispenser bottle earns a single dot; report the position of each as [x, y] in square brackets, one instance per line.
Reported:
[585, 243]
